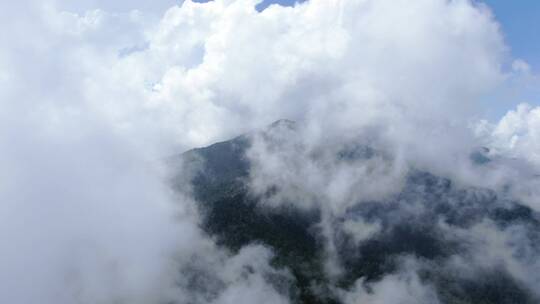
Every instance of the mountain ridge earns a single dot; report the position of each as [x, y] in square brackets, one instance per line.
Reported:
[236, 218]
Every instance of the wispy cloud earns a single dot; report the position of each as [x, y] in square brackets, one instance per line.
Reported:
[93, 96]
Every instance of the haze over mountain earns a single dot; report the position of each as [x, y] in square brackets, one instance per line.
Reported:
[386, 183]
[430, 241]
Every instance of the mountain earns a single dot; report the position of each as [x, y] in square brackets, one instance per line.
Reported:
[429, 220]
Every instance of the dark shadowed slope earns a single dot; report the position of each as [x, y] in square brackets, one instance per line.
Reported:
[420, 222]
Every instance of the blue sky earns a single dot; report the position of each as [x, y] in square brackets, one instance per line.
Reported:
[520, 22]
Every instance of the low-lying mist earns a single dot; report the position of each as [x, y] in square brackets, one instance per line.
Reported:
[382, 179]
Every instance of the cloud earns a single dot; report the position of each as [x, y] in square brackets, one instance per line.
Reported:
[521, 66]
[94, 95]
[401, 288]
[86, 213]
[513, 142]
[516, 133]
[85, 218]
[315, 54]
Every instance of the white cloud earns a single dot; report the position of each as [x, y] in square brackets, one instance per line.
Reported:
[518, 133]
[223, 63]
[400, 288]
[95, 95]
[514, 142]
[86, 216]
[520, 66]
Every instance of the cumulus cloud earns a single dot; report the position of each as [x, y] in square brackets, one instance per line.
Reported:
[513, 145]
[325, 56]
[516, 134]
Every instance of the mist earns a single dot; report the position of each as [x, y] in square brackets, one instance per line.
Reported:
[385, 126]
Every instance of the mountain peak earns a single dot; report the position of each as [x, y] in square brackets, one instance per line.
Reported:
[283, 123]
